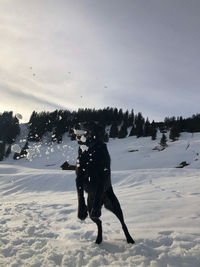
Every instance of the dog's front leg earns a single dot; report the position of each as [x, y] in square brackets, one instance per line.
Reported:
[97, 204]
[82, 208]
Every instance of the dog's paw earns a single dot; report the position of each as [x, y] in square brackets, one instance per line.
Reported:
[98, 240]
[95, 213]
[82, 213]
[130, 240]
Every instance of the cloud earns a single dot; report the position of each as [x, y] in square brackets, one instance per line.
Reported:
[28, 98]
[133, 54]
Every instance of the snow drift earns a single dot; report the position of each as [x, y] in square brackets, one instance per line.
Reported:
[38, 209]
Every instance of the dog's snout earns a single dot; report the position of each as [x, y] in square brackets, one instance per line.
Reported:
[79, 132]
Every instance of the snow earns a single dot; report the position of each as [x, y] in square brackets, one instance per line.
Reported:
[38, 208]
[16, 148]
[19, 116]
[83, 139]
[84, 148]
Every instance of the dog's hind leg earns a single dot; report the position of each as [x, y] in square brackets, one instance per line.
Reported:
[111, 203]
[99, 226]
[90, 201]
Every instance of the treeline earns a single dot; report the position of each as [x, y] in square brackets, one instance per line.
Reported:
[175, 126]
[118, 123]
[191, 124]
[62, 121]
[9, 129]
[121, 124]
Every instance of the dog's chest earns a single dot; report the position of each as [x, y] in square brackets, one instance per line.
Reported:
[89, 168]
[87, 161]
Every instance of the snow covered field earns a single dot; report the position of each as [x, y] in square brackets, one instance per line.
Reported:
[161, 205]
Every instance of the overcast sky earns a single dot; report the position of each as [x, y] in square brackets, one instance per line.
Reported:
[66, 54]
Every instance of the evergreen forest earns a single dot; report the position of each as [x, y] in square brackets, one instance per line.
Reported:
[118, 124]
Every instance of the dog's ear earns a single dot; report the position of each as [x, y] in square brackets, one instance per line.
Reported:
[99, 132]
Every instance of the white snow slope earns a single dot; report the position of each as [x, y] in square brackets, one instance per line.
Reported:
[161, 205]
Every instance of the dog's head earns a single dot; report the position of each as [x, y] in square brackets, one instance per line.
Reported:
[89, 133]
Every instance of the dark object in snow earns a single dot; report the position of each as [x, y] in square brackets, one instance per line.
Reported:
[94, 176]
[183, 164]
[158, 148]
[67, 166]
[23, 152]
[133, 150]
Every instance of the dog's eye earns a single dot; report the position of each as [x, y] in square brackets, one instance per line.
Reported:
[79, 132]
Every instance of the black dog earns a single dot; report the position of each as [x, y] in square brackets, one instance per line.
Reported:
[93, 176]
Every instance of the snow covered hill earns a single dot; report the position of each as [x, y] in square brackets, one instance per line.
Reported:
[38, 208]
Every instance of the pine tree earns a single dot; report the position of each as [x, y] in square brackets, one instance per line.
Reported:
[114, 130]
[133, 131]
[153, 133]
[147, 128]
[120, 116]
[174, 133]
[163, 141]
[139, 121]
[131, 119]
[9, 127]
[2, 150]
[123, 131]
[125, 117]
